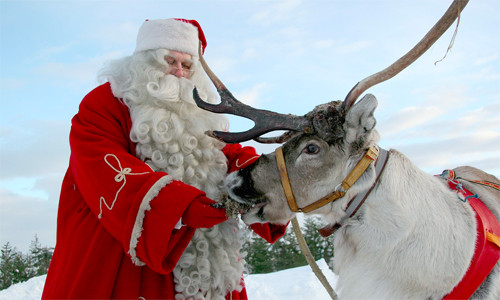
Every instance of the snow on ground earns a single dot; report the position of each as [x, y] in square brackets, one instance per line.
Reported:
[292, 284]
[28, 290]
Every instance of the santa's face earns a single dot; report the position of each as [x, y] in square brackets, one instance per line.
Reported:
[179, 64]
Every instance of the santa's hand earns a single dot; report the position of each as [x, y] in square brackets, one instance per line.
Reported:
[200, 213]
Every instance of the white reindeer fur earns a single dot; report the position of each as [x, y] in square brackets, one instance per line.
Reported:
[411, 225]
[412, 239]
[407, 244]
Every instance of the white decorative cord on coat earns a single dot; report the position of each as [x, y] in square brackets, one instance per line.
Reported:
[238, 165]
[121, 176]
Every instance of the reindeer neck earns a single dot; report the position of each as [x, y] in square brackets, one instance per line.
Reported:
[371, 165]
[405, 232]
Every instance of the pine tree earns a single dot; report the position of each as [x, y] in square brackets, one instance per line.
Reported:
[321, 247]
[312, 237]
[40, 257]
[6, 260]
[287, 253]
[14, 266]
[258, 255]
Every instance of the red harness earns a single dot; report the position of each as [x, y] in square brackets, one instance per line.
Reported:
[487, 246]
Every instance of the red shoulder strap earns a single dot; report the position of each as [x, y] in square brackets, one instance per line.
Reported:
[487, 251]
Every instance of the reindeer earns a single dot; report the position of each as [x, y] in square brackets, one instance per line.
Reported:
[400, 233]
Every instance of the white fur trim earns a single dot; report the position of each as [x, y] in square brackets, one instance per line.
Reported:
[168, 34]
[137, 231]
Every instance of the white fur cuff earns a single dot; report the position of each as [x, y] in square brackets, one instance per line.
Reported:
[137, 230]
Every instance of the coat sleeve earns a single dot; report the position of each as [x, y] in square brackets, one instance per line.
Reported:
[240, 157]
[137, 206]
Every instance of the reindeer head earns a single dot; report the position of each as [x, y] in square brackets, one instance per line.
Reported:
[316, 164]
[321, 146]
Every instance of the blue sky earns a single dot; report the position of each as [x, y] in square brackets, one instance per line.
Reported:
[286, 56]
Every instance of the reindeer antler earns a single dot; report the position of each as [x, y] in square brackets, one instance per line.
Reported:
[265, 121]
[420, 48]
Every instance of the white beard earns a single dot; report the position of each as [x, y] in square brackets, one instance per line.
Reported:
[168, 129]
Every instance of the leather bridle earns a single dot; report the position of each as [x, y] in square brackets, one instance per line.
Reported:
[371, 155]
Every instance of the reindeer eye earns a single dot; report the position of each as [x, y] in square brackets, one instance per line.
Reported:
[311, 149]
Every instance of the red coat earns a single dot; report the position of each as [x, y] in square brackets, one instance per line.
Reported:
[94, 257]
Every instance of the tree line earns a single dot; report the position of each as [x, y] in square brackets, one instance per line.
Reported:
[17, 267]
[261, 257]
[285, 253]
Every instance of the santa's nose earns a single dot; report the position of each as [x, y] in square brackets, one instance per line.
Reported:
[179, 72]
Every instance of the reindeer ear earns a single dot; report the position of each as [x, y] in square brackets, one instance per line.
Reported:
[360, 121]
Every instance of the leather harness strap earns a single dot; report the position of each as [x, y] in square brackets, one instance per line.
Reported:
[370, 155]
[355, 204]
[285, 183]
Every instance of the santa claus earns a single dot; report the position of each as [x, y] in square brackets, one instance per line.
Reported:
[135, 218]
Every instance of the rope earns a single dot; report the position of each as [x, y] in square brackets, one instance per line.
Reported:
[310, 259]
[452, 39]
[121, 176]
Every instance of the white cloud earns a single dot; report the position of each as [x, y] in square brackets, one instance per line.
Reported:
[76, 74]
[12, 83]
[34, 158]
[33, 149]
[323, 44]
[466, 149]
[22, 217]
[488, 73]
[114, 35]
[276, 12]
[452, 96]
[23, 187]
[487, 59]
[249, 53]
[253, 96]
[50, 52]
[352, 47]
[221, 64]
[408, 118]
